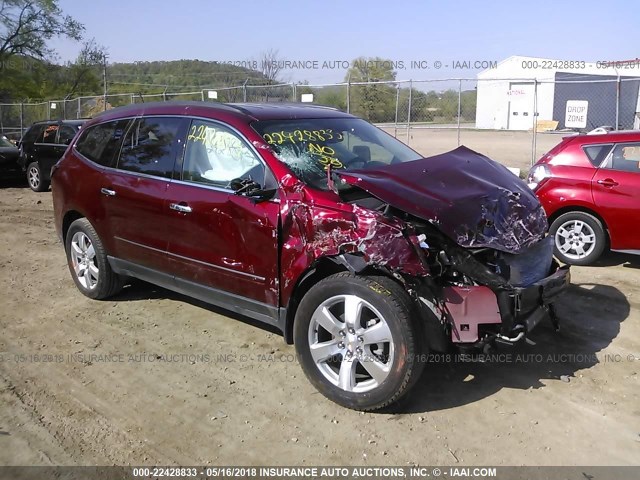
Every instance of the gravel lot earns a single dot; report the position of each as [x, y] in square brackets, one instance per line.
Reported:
[152, 377]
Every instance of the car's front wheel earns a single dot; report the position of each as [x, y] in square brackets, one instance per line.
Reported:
[37, 182]
[88, 262]
[579, 238]
[356, 340]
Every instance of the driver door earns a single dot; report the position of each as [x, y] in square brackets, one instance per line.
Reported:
[222, 246]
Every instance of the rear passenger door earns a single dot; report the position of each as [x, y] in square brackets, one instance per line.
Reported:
[616, 193]
[134, 193]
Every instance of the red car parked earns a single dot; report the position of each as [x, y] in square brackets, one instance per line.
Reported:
[361, 252]
[589, 185]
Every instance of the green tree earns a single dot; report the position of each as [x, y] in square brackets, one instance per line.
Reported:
[376, 102]
[26, 26]
[83, 75]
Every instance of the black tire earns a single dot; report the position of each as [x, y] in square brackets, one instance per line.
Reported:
[107, 282]
[562, 226]
[36, 181]
[395, 307]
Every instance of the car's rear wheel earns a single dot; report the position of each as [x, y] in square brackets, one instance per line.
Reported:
[88, 262]
[37, 183]
[356, 341]
[579, 238]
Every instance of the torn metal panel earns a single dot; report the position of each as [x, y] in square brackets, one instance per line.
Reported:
[472, 199]
[311, 231]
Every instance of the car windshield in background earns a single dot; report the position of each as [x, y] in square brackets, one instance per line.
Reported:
[4, 142]
[310, 147]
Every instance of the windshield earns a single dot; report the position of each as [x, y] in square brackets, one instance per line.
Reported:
[311, 146]
[4, 142]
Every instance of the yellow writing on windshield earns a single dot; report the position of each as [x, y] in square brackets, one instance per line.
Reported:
[299, 136]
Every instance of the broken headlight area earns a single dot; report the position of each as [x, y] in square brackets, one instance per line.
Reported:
[485, 295]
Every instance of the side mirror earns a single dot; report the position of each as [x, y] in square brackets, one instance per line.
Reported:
[251, 189]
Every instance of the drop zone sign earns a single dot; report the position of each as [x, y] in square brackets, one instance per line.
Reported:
[576, 114]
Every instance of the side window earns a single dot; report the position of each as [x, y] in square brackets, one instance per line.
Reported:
[625, 157]
[216, 155]
[66, 134]
[149, 146]
[597, 153]
[34, 134]
[50, 133]
[101, 143]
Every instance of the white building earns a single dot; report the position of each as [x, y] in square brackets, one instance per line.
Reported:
[576, 94]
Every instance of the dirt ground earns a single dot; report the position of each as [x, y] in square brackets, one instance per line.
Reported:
[152, 377]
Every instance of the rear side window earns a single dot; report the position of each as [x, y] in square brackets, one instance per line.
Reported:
[149, 147]
[597, 153]
[66, 134]
[101, 143]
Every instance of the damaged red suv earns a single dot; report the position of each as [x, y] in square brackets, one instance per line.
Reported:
[362, 253]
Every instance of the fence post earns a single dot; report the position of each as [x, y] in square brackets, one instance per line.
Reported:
[534, 129]
[79, 113]
[395, 128]
[244, 91]
[295, 94]
[409, 111]
[459, 107]
[618, 102]
[21, 119]
[349, 94]
[104, 81]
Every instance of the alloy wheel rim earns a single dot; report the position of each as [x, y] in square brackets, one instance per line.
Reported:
[34, 177]
[575, 239]
[83, 258]
[351, 343]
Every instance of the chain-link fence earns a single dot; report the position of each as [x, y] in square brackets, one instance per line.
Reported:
[511, 120]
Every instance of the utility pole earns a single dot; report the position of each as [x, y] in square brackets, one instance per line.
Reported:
[104, 80]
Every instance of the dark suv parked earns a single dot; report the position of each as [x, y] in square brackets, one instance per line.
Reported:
[361, 252]
[42, 146]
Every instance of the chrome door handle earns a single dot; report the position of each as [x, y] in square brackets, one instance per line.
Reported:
[107, 192]
[183, 208]
[607, 182]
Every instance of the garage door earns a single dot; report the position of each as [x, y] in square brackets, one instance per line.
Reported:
[520, 106]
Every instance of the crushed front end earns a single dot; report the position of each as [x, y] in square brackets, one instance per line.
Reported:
[480, 233]
[483, 295]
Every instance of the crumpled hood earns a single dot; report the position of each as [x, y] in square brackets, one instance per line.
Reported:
[472, 199]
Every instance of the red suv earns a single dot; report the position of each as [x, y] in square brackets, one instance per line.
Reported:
[589, 185]
[361, 252]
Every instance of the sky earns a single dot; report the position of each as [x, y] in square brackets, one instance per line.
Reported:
[314, 32]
